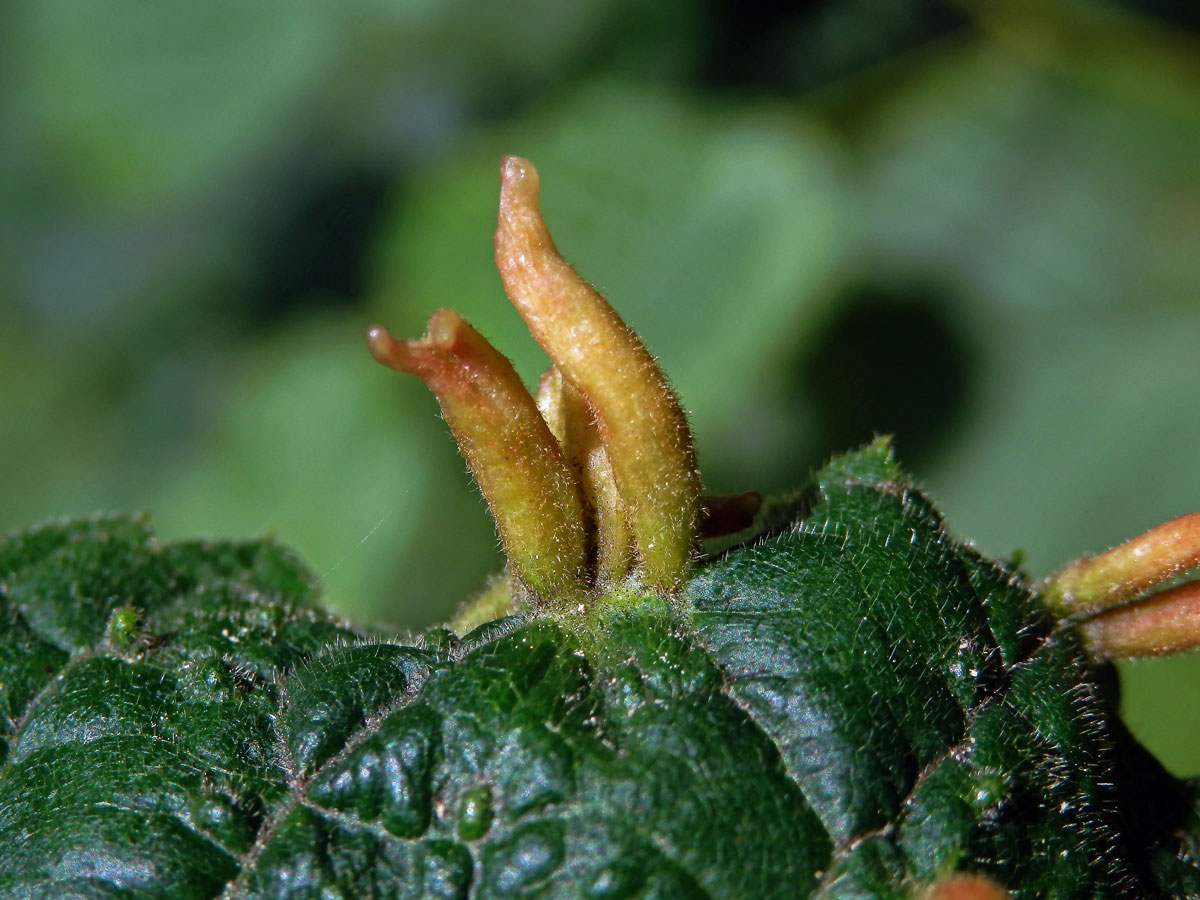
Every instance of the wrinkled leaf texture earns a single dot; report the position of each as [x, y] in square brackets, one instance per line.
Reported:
[849, 705]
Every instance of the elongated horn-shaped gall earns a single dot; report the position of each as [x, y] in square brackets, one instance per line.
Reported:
[640, 421]
[1166, 622]
[610, 544]
[507, 445]
[1118, 575]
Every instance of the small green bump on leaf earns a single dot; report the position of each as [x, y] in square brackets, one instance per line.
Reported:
[475, 813]
[388, 778]
[620, 879]
[990, 789]
[124, 628]
[207, 680]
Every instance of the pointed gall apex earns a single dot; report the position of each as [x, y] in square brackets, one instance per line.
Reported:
[639, 419]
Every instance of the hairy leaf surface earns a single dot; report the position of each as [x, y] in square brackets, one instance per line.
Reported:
[851, 704]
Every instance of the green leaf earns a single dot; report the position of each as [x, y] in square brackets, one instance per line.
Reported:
[159, 104]
[850, 705]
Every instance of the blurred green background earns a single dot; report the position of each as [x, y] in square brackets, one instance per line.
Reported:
[973, 225]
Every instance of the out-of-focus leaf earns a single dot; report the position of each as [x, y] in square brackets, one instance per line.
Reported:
[1033, 191]
[712, 231]
[1124, 47]
[527, 37]
[149, 99]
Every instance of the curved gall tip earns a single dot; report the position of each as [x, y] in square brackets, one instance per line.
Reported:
[381, 345]
[518, 181]
[638, 418]
[508, 447]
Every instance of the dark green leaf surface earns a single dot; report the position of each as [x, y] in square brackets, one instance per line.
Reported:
[850, 705]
